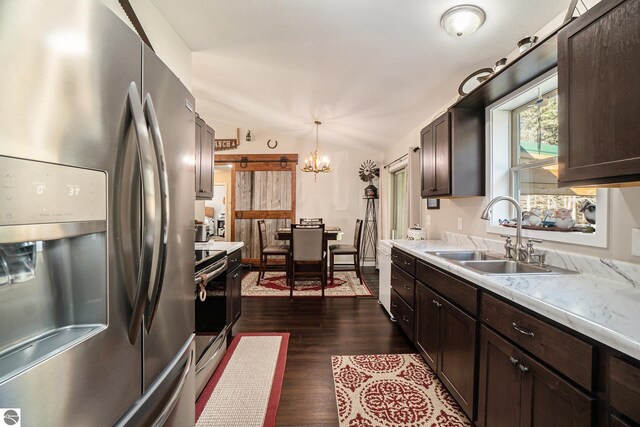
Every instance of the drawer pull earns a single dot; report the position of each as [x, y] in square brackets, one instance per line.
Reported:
[523, 369]
[406, 286]
[523, 331]
[407, 263]
[394, 256]
[405, 318]
[394, 277]
[514, 361]
[394, 305]
[437, 303]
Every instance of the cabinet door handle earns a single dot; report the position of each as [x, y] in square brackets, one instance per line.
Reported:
[235, 275]
[394, 305]
[394, 256]
[523, 369]
[522, 331]
[405, 319]
[407, 263]
[514, 361]
[406, 286]
[436, 303]
[394, 277]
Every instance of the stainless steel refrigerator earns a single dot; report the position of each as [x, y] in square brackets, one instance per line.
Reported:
[96, 222]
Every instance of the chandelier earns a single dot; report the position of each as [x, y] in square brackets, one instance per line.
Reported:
[316, 162]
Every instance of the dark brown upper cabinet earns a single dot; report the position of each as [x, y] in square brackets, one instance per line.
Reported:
[599, 95]
[205, 137]
[453, 156]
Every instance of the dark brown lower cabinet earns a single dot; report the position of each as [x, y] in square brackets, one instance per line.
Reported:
[617, 422]
[624, 388]
[234, 297]
[427, 325]
[446, 338]
[403, 313]
[499, 382]
[514, 390]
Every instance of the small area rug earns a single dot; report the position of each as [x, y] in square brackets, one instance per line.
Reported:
[392, 390]
[244, 391]
[274, 284]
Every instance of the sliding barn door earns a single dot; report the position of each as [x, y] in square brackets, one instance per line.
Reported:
[261, 190]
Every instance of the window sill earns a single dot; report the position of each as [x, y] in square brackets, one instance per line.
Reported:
[597, 240]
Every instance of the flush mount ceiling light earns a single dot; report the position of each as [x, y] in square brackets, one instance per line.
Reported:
[461, 21]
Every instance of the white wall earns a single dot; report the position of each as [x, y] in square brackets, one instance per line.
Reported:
[165, 41]
[336, 196]
[624, 203]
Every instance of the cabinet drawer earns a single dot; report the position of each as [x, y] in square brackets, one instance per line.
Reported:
[404, 261]
[403, 284]
[456, 291]
[624, 388]
[233, 260]
[403, 314]
[569, 355]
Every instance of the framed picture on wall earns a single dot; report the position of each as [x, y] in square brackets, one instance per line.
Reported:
[433, 203]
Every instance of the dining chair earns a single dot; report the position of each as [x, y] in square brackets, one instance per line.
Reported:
[267, 251]
[307, 241]
[310, 220]
[353, 250]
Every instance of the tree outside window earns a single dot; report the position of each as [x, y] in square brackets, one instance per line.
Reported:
[534, 168]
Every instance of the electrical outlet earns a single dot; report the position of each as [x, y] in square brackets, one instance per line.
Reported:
[427, 220]
[635, 241]
[459, 223]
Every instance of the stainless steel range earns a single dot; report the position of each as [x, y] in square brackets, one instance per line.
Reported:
[212, 328]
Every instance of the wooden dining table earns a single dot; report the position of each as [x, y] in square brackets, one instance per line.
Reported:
[331, 232]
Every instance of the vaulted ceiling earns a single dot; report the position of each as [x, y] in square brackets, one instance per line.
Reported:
[370, 70]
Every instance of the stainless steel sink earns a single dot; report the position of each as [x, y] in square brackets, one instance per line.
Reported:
[492, 264]
[507, 267]
[466, 255]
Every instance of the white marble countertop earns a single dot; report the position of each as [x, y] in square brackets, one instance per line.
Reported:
[218, 245]
[603, 309]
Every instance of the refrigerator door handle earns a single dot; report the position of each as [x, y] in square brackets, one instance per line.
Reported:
[148, 211]
[175, 396]
[161, 168]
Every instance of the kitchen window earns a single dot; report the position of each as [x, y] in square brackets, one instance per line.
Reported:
[523, 163]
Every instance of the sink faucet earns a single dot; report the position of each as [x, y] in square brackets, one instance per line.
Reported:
[485, 215]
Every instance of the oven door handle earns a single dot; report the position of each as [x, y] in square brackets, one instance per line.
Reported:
[211, 272]
[148, 211]
[161, 168]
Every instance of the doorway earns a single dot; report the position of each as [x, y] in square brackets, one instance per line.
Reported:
[399, 203]
[263, 186]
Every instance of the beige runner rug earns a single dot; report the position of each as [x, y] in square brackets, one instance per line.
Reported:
[245, 389]
[392, 390]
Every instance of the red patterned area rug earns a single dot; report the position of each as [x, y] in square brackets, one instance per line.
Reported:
[345, 284]
[392, 390]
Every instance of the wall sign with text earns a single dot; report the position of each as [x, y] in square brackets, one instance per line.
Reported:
[227, 144]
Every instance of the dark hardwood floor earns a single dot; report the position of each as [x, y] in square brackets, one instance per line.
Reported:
[319, 329]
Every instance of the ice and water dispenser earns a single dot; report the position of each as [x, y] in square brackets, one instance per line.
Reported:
[53, 260]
